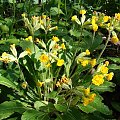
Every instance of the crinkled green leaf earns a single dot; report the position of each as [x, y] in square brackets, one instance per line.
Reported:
[114, 67]
[107, 86]
[55, 11]
[8, 83]
[114, 59]
[34, 115]
[8, 108]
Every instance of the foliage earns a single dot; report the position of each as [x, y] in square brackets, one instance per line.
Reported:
[51, 60]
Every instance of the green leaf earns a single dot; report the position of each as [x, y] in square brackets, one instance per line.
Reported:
[116, 106]
[55, 11]
[7, 83]
[75, 33]
[10, 41]
[8, 108]
[39, 104]
[99, 106]
[61, 108]
[107, 86]
[86, 109]
[114, 67]
[96, 105]
[114, 59]
[34, 115]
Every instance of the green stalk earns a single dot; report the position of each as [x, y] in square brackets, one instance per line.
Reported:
[104, 46]
[59, 2]
[74, 56]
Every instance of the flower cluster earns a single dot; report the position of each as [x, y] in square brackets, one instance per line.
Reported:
[101, 74]
[84, 61]
[88, 97]
[100, 20]
[62, 81]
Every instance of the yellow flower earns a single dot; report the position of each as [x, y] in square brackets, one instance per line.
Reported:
[54, 38]
[74, 18]
[93, 62]
[48, 65]
[94, 18]
[85, 101]
[39, 84]
[60, 62]
[84, 63]
[104, 69]
[87, 52]
[63, 46]
[23, 15]
[41, 22]
[106, 63]
[5, 58]
[95, 27]
[87, 91]
[106, 18]
[114, 39]
[108, 25]
[117, 16]
[29, 39]
[109, 76]
[82, 12]
[92, 97]
[24, 85]
[58, 84]
[28, 51]
[98, 80]
[44, 16]
[43, 58]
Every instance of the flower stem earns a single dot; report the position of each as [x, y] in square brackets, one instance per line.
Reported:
[104, 46]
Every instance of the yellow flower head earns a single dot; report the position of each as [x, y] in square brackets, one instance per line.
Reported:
[23, 15]
[117, 16]
[58, 84]
[114, 39]
[5, 58]
[92, 97]
[74, 18]
[85, 101]
[104, 69]
[28, 51]
[98, 80]
[60, 62]
[63, 46]
[48, 65]
[87, 52]
[44, 16]
[93, 62]
[29, 39]
[54, 38]
[39, 84]
[82, 12]
[106, 18]
[84, 63]
[87, 91]
[43, 58]
[24, 85]
[64, 79]
[95, 27]
[94, 18]
[109, 76]
[106, 63]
